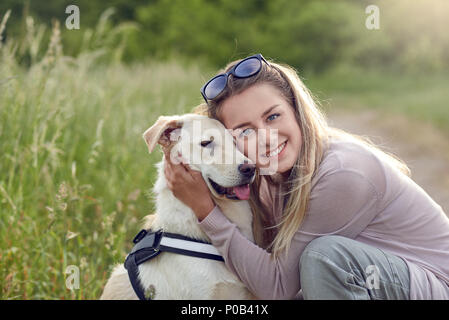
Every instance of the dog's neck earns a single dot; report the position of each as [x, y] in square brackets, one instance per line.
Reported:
[174, 216]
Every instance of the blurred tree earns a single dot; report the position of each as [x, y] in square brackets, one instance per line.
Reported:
[310, 35]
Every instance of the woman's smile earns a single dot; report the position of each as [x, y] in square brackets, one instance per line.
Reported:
[277, 152]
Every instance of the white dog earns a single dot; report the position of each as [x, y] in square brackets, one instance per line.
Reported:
[175, 276]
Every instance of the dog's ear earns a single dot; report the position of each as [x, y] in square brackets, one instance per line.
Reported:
[161, 131]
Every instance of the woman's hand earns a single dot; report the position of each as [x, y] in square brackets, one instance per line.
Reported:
[189, 187]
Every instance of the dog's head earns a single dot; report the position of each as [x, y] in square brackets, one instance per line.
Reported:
[206, 146]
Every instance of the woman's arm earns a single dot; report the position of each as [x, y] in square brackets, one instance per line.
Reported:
[265, 277]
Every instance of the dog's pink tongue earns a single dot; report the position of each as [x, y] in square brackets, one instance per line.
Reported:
[242, 192]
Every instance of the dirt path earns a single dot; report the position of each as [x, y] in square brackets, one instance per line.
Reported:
[421, 146]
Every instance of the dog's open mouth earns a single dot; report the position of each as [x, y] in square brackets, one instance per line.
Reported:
[235, 193]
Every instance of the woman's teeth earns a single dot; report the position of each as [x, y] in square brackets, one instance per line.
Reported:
[275, 152]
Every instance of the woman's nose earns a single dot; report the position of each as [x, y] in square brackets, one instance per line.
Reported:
[268, 137]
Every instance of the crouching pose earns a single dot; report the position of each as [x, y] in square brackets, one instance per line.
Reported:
[338, 218]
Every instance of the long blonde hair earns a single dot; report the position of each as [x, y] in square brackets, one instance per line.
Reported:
[315, 138]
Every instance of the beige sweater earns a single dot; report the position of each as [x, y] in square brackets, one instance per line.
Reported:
[357, 195]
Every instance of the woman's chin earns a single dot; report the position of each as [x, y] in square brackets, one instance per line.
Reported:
[272, 167]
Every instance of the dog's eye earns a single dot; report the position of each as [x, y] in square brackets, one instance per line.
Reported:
[206, 143]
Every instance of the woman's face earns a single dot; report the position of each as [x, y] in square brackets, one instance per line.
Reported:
[264, 127]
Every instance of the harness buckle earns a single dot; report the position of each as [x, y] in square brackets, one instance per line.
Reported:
[142, 233]
[147, 245]
[157, 239]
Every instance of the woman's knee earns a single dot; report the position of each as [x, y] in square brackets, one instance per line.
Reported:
[327, 245]
[319, 256]
[319, 272]
[335, 266]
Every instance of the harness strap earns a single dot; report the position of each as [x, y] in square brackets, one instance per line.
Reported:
[133, 273]
[150, 244]
[190, 248]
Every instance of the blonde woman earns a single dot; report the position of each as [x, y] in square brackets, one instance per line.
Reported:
[339, 219]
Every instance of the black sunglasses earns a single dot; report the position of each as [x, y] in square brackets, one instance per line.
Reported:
[244, 69]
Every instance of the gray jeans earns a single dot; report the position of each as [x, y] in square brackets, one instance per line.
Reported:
[335, 267]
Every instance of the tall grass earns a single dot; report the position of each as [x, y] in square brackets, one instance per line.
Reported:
[74, 169]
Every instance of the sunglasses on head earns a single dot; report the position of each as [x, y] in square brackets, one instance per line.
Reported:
[244, 69]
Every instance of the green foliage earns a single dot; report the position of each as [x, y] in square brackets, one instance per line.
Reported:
[310, 35]
[315, 33]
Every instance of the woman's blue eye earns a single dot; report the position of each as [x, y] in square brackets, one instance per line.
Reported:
[245, 132]
[273, 116]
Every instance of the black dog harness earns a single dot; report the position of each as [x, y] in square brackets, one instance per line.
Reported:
[150, 244]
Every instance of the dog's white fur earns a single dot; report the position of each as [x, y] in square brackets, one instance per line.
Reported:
[175, 276]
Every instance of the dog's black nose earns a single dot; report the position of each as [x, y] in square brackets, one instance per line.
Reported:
[247, 169]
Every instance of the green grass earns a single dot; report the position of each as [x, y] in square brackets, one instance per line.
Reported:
[73, 160]
[423, 97]
[74, 169]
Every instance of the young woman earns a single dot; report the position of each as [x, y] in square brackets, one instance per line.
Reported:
[340, 219]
